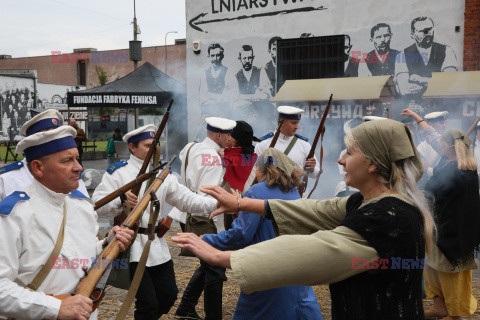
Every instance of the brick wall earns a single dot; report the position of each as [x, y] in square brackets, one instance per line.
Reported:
[471, 45]
[66, 73]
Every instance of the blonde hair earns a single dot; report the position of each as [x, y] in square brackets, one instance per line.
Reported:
[278, 177]
[464, 156]
[403, 180]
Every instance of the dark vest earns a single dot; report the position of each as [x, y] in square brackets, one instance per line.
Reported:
[216, 85]
[394, 229]
[415, 63]
[382, 68]
[248, 87]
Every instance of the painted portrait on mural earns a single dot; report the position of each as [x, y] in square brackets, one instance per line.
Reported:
[412, 67]
[422, 58]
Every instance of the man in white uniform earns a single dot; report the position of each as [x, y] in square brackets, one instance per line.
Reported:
[430, 158]
[158, 291]
[202, 165]
[289, 142]
[15, 176]
[32, 220]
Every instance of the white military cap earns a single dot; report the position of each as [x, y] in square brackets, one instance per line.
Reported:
[370, 118]
[48, 119]
[142, 133]
[221, 125]
[41, 144]
[288, 112]
[350, 124]
[436, 116]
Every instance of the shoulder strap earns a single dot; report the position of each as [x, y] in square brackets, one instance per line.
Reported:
[40, 277]
[290, 145]
[186, 164]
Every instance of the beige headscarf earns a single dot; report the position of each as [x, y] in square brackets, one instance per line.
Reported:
[451, 135]
[276, 158]
[385, 142]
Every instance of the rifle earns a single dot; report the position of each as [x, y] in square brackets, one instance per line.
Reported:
[272, 143]
[93, 284]
[137, 181]
[277, 134]
[473, 126]
[320, 132]
[119, 218]
[153, 147]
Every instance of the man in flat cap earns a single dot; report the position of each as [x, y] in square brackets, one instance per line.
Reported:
[203, 165]
[158, 290]
[16, 176]
[49, 234]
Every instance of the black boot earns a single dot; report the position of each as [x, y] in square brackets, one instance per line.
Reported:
[214, 278]
[182, 315]
[190, 297]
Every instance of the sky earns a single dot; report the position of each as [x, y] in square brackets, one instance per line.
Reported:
[38, 27]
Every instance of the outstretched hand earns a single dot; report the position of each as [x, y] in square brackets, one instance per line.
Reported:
[202, 250]
[226, 202]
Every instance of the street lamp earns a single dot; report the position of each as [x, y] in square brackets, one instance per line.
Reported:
[166, 48]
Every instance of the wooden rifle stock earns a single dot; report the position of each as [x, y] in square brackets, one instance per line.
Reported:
[137, 181]
[153, 147]
[87, 285]
[277, 134]
[473, 126]
[320, 132]
[272, 143]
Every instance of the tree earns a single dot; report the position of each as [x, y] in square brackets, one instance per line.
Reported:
[102, 80]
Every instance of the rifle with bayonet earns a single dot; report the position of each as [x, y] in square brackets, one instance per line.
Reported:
[320, 133]
[93, 284]
[118, 219]
[136, 182]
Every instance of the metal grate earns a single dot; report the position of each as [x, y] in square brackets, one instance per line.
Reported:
[310, 58]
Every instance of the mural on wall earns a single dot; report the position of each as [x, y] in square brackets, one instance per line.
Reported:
[411, 67]
[234, 74]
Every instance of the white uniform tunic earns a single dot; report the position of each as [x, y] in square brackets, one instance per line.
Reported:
[27, 237]
[298, 153]
[20, 179]
[429, 155]
[205, 167]
[170, 191]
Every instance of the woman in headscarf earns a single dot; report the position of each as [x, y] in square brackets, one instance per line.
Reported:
[370, 246]
[278, 178]
[239, 158]
[454, 187]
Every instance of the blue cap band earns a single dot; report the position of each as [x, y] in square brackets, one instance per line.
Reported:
[50, 147]
[42, 125]
[141, 136]
[289, 116]
[213, 129]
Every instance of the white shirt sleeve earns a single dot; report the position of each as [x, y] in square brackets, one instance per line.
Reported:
[185, 200]
[16, 301]
[450, 61]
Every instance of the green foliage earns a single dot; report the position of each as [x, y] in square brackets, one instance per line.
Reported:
[102, 80]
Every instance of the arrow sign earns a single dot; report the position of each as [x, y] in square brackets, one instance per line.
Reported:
[196, 21]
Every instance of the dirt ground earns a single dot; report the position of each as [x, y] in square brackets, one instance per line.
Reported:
[184, 268]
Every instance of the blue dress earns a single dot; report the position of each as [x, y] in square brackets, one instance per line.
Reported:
[286, 303]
